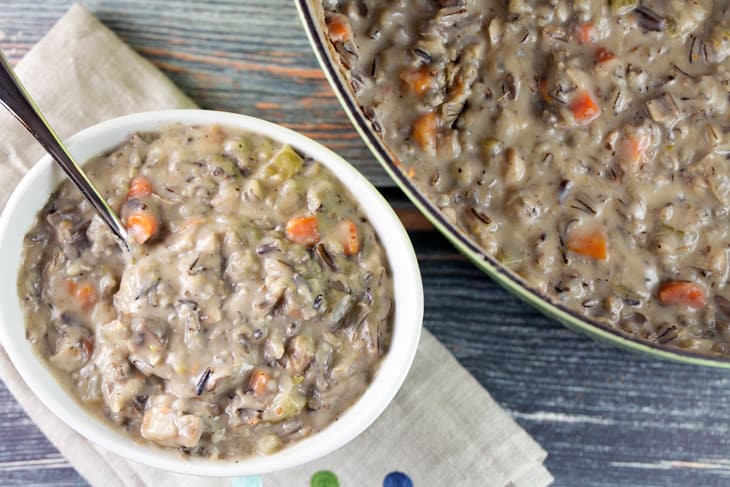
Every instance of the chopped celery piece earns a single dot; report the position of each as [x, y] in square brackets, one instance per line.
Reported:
[673, 29]
[284, 406]
[510, 257]
[491, 147]
[263, 148]
[285, 163]
[620, 7]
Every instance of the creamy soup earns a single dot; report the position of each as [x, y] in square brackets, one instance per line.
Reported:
[584, 144]
[253, 307]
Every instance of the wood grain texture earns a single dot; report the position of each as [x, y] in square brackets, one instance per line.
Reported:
[246, 56]
[606, 417]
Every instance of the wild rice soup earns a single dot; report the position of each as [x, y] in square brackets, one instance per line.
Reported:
[254, 306]
[584, 144]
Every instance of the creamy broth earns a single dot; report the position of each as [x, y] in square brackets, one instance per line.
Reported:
[254, 306]
[584, 144]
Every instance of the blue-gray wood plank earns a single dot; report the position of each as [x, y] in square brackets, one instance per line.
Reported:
[605, 416]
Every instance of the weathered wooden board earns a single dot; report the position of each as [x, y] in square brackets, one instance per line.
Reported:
[606, 417]
[247, 56]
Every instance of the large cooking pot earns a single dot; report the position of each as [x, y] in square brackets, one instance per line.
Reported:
[312, 16]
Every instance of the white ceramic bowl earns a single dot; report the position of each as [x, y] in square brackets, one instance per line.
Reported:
[33, 192]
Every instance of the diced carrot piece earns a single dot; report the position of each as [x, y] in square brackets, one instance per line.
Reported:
[682, 292]
[584, 107]
[603, 55]
[303, 230]
[258, 382]
[419, 81]
[591, 244]
[585, 33]
[86, 295]
[424, 131]
[349, 237]
[87, 347]
[633, 148]
[142, 225]
[71, 287]
[139, 188]
[339, 28]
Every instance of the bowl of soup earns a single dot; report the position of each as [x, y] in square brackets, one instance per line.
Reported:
[267, 309]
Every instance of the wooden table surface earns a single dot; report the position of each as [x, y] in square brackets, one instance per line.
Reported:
[605, 416]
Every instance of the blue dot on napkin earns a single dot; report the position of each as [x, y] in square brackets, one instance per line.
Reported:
[397, 479]
[250, 481]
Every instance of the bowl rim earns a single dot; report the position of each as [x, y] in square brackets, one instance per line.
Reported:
[503, 276]
[407, 317]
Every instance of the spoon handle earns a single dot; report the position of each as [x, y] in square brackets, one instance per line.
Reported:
[14, 97]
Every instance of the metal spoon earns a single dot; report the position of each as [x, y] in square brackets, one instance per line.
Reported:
[16, 99]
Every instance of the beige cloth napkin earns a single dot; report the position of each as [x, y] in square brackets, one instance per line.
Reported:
[442, 429]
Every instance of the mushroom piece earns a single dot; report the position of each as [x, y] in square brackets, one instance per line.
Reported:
[663, 109]
[299, 354]
[171, 428]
